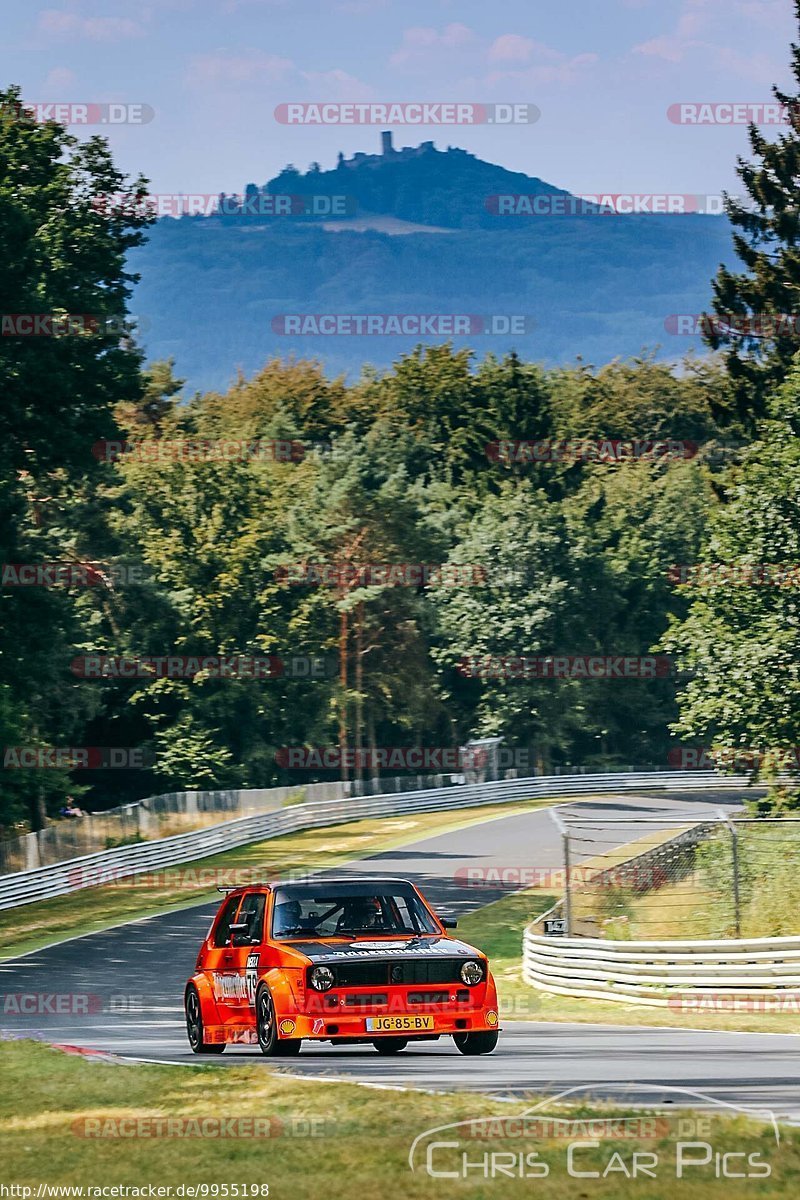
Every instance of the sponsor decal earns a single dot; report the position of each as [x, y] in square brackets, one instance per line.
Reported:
[229, 986]
[251, 978]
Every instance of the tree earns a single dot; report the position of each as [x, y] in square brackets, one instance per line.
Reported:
[63, 243]
[755, 311]
[741, 637]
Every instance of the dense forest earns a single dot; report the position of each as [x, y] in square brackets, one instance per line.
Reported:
[306, 560]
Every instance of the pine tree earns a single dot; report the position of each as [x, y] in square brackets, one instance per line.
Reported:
[756, 318]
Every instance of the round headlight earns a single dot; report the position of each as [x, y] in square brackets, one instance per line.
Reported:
[471, 973]
[322, 978]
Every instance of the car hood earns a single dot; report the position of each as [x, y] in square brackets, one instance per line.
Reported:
[366, 950]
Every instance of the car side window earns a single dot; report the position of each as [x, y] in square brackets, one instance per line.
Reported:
[223, 929]
[251, 912]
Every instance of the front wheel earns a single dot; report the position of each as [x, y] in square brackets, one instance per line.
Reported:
[267, 1028]
[194, 1025]
[476, 1043]
[390, 1045]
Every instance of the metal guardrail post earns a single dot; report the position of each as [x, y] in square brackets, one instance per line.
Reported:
[735, 863]
[567, 887]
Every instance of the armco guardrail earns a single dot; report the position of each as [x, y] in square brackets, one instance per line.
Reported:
[662, 974]
[173, 813]
[25, 887]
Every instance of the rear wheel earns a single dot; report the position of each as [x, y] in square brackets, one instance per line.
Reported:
[390, 1045]
[194, 1025]
[476, 1043]
[267, 1028]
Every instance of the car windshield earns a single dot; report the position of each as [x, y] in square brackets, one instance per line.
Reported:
[300, 913]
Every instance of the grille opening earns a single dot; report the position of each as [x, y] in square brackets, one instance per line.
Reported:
[331, 1028]
[411, 972]
[461, 1023]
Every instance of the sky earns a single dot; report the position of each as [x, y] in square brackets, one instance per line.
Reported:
[603, 74]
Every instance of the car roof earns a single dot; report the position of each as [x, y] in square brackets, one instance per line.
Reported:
[324, 881]
[344, 881]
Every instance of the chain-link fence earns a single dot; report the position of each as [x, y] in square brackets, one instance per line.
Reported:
[181, 812]
[653, 879]
[155, 817]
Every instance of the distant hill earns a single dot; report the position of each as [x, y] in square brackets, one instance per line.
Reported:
[415, 233]
[419, 184]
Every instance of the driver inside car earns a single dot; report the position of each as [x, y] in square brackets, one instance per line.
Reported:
[287, 918]
[362, 913]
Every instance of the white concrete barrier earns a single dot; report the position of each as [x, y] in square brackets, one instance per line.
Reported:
[663, 973]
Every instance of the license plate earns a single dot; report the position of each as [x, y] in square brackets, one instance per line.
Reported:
[404, 1024]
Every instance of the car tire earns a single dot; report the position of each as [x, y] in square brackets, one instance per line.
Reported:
[390, 1045]
[483, 1042]
[288, 1047]
[194, 1025]
[267, 1028]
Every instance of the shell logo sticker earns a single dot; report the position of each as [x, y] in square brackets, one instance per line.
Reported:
[286, 1027]
[491, 1018]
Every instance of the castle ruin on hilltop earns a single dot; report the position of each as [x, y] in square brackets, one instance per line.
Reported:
[389, 154]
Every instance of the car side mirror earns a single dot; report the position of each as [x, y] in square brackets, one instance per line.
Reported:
[449, 922]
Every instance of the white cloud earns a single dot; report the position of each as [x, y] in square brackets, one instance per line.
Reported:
[225, 71]
[511, 47]
[421, 41]
[527, 63]
[697, 26]
[338, 85]
[254, 66]
[58, 78]
[55, 23]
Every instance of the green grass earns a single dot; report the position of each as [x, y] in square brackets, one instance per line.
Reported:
[48, 921]
[328, 1139]
[701, 904]
[497, 930]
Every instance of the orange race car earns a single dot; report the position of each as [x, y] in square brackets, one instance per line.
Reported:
[338, 960]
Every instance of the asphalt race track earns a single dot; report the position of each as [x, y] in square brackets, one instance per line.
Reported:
[131, 979]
